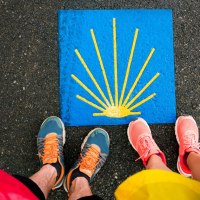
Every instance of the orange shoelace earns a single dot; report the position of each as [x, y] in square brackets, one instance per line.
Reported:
[50, 149]
[90, 160]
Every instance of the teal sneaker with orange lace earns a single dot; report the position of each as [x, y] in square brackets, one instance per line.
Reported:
[50, 141]
[94, 151]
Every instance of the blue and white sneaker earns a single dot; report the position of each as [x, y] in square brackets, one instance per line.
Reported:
[50, 142]
[94, 151]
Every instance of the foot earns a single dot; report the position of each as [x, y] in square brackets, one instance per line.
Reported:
[50, 141]
[140, 137]
[94, 151]
[187, 135]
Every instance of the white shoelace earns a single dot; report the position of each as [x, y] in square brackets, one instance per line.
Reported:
[190, 141]
[146, 147]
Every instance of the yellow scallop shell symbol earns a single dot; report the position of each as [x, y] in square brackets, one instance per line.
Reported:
[117, 105]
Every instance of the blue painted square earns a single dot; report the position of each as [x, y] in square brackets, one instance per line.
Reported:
[142, 31]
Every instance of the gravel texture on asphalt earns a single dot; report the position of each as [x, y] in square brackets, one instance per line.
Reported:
[29, 86]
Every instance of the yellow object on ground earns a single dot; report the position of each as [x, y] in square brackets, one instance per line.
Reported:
[159, 185]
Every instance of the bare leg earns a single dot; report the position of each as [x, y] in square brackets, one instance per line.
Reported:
[45, 178]
[193, 162]
[155, 162]
[79, 188]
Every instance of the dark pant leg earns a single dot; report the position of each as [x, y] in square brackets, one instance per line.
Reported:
[31, 185]
[93, 197]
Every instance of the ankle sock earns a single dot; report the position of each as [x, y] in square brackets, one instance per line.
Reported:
[58, 169]
[77, 173]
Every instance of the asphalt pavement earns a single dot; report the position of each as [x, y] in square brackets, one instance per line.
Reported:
[29, 86]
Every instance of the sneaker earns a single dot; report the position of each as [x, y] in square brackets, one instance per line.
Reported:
[94, 151]
[187, 135]
[50, 142]
[140, 137]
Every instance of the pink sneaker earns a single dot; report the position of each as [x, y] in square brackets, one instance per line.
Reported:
[139, 135]
[187, 135]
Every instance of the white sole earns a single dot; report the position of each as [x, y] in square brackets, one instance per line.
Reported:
[176, 133]
[63, 126]
[66, 190]
[61, 183]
